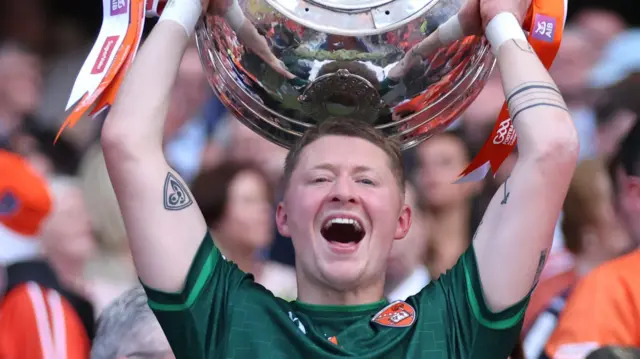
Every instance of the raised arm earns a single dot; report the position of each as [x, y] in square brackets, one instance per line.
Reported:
[514, 239]
[164, 225]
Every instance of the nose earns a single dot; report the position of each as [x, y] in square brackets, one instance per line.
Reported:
[342, 191]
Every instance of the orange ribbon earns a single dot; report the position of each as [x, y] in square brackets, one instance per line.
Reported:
[545, 23]
[106, 91]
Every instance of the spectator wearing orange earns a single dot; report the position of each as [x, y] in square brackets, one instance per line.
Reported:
[604, 308]
[593, 235]
[37, 319]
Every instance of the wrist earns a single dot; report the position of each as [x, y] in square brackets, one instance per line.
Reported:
[502, 28]
[185, 13]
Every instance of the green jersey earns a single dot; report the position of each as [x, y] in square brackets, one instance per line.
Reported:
[223, 314]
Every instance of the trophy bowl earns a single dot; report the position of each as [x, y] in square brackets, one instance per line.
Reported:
[294, 63]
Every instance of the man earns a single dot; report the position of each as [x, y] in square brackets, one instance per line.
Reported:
[127, 329]
[604, 307]
[343, 207]
[39, 318]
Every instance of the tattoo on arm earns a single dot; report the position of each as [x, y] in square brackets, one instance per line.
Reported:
[541, 262]
[506, 192]
[176, 195]
[534, 94]
[525, 48]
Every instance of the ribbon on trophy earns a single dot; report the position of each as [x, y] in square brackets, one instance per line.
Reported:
[111, 56]
[545, 24]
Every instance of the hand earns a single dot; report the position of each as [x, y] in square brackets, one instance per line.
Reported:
[476, 14]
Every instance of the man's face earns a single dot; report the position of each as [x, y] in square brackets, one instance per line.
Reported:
[343, 208]
[629, 203]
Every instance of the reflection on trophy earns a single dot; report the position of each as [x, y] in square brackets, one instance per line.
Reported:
[282, 66]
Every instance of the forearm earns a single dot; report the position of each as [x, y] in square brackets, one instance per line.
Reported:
[538, 111]
[514, 239]
[164, 224]
[136, 120]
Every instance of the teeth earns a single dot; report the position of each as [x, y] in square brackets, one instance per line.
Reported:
[350, 221]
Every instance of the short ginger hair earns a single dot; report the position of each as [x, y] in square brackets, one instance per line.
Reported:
[349, 128]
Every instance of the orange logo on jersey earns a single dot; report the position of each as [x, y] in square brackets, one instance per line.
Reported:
[334, 340]
[396, 315]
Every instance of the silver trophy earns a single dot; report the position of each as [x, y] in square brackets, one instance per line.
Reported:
[293, 63]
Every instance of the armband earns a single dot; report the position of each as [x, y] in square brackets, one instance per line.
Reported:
[186, 13]
[501, 28]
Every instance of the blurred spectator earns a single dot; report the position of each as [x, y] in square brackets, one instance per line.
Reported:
[20, 92]
[237, 202]
[39, 317]
[112, 271]
[617, 111]
[450, 207]
[239, 143]
[128, 329]
[592, 233]
[600, 25]
[406, 274]
[481, 115]
[615, 352]
[603, 308]
[571, 71]
[185, 131]
[620, 59]
[25, 21]
[67, 236]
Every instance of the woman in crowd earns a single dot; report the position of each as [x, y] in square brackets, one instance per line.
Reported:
[236, 200]
[451, 214]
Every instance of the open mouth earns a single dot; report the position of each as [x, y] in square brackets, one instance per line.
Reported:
[343, 230]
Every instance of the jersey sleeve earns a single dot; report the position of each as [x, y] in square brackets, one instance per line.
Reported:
[195, 319]
[473, 330]
[599, 312]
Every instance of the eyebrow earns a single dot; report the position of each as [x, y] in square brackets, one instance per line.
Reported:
[333, 168]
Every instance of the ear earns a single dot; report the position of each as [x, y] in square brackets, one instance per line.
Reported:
[282, 220]
[633, 193]
[404, 222]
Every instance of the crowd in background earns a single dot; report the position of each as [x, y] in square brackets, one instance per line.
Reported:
[234, 175]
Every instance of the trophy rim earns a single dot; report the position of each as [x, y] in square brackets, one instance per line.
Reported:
[272, 125]
[429, 4]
